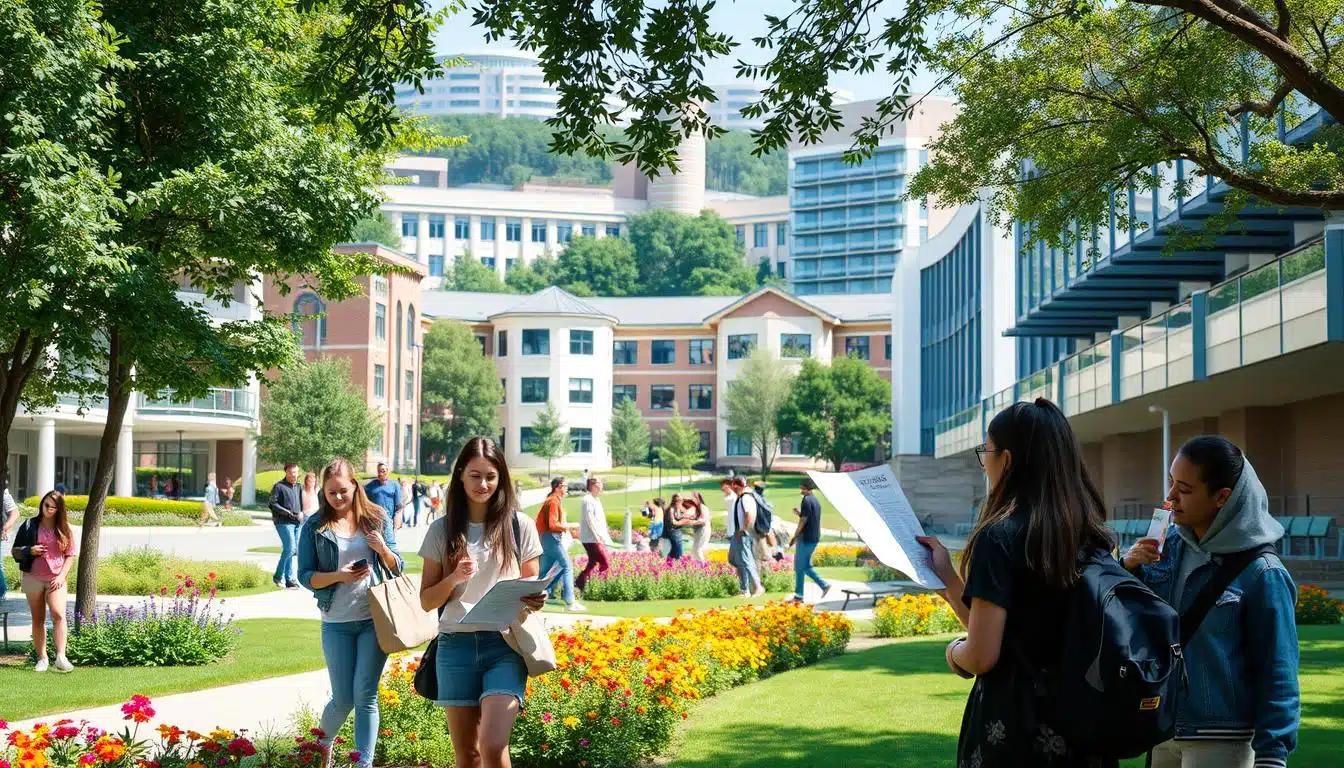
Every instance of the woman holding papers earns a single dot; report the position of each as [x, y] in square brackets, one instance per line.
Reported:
[481, 679]
[1020, 560]
[345, 548]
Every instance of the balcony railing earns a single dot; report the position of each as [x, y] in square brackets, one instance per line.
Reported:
[1275, 309]
[219, 403]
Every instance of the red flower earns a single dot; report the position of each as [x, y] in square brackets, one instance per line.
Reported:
[242, 747]
[210, 576]
[180, 590]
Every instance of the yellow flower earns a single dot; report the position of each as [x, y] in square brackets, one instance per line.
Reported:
[571, 722]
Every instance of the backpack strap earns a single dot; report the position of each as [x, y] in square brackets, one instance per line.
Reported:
[1228, 570]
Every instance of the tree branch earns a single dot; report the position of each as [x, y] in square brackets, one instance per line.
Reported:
[1263, 108]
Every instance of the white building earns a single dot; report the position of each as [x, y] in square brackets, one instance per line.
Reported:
[732, 97]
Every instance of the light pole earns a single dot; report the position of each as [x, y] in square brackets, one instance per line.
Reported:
[658, 462]
[1166, 445]
[177, 484]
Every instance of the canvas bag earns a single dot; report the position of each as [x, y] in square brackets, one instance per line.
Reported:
[398, 619]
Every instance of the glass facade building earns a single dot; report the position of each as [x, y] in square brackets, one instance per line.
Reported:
[949, 328]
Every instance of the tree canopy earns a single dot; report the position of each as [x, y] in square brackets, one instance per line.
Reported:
[376, 229]
[839, 411]
[460, 391]
[593, 267]
[314, 412]
[469, 274]
[550, 437]
[679, 446]
[677, 255]
[751, 404]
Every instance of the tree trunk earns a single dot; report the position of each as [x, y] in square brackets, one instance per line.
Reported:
[118, 399]
[17, 369]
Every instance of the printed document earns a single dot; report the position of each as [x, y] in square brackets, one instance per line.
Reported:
[876, 508]
[501, 603]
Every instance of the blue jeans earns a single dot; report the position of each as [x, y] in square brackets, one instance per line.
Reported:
[415, 510]
[740, 555]
[289, 544]
[802, 566]
[354, 665]
[553, 552]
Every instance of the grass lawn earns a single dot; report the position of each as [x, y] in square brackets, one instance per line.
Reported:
[633, 609]
[901, 707]
[266, 648]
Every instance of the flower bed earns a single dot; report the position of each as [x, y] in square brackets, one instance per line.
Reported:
[184, 630]
[910, 615]
[1316, 606]
[648, 576]
[142, 571]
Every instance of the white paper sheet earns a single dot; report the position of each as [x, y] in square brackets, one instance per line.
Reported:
[1157, 529]
[502, 602]
[876, 508]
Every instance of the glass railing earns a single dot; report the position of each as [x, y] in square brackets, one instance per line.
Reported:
[1087, 379]
[1157, 353]
[959, 432]
[219, 403]
[94, 401]
[1269, 311]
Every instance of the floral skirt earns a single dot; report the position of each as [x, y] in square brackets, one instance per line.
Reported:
[1000, 728]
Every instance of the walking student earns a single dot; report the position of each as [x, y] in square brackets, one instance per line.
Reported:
[226, 494]
[551, 528]
[209, 503]
[593, 532]
[418, 493]
[346, 547]
[806, 537]
[286, 514]
[761, 544]
[1242, 705]
[385, 492]
[45, 550]
[309, 494]
[482, 681]
[435, 499]
[740, 554]
[699, 522]
[672, 524]
[729, 504]
[1020, 560]
[404, 511]
[10, 512]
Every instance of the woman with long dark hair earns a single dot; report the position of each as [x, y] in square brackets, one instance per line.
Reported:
[1242, 705]
[672, 523]
[45, 549]
[482, 680]
[1023, 555]
[345, 548]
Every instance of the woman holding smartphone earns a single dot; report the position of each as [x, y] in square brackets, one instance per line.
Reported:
[45, 549]
[345, 548]
[481, 539]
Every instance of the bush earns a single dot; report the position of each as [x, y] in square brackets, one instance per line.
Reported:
[841, 555]
[176, 632]
[122, 511]
[145, 571]
[910, 615]
[1316, 606]
[648, 576]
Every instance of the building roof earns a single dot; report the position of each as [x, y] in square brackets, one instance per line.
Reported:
[553, 301]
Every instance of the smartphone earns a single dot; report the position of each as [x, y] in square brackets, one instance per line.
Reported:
[359, 564]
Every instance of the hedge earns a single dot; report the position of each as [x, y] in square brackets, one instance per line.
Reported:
[121, 511]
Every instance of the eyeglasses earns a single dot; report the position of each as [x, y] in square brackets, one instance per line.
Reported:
[980, 451]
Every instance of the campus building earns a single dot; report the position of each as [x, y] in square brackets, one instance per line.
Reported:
[670, 355]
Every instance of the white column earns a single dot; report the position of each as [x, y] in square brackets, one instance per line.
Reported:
[501, 240]
[211, 456]
[46, 456]
[422, 239]
[125, 473]
[474, 234]
[249, 470]
[552, 235]
[905, 338]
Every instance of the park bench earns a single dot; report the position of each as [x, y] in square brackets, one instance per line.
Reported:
[876, 591]
[1314, 530]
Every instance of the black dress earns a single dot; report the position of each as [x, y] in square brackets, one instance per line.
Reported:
[1005, 725]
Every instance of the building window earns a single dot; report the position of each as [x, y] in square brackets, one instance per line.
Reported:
[581, 391]
[538, 231]
[378, 444]
[410, 385]
[662, 397]
[782, 234]
[704, 443]
[484, 341]
[923, 234]
[564, 232]
[489, 262]
[664, 352]
[857, 346]
[624, 352]
[795, 345]
[526, 441]
[410, 226]
[580, 342]
[739, 443]
[436, 227]
[536, 341]
[740, 346]
[379, 380]
[461, 228]
[581, 440]
[380, 322]
[702, 397]
[513, 231]
[536, 390]
[502, 344]
[741, 234]
[760, 235]
[436, 265]
[781, 269]
[886, 342]
[613, 230]
[408, 449]
[702, 352]
[410, 326]
[622, 392]
[790, 445]
[487, 229]
[503, 391]
[588, 230]
[312, 329]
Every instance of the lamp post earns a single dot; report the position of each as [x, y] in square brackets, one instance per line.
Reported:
[1166, 445]
[658, 462]
[177, 484]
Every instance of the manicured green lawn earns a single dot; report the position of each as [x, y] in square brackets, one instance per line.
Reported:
[266, 648]
[660, 608]
[901, 707]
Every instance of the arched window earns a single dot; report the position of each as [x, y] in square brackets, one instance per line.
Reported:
[309, 320]
[410, 326]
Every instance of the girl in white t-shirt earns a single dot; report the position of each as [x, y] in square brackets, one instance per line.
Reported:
[481, 680]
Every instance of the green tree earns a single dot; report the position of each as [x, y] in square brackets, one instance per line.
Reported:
[469, 274]
[313, 413]
[460, 391]
[679, 254]
[765, 275]
[679, 446]
[534, 276]
[732, 166]
[592, 267]
[510, 150]
[550, 438]
[628, 439]
[376, 229]
[838, 411]
[752, 402]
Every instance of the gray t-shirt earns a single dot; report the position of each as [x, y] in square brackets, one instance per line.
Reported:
[488, 568]
[351, 601]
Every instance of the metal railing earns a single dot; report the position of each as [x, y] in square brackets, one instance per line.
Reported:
[219, 403]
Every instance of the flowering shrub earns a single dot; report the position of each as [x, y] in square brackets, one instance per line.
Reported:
[1316, 606]
[909, 615]
[619, 691]
[648, 576]
[184, 630]
[841, 555]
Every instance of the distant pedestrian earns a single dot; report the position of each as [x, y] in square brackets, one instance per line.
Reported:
[551, 529]
[309, 494]
[286, 507]
[729, 504]
[60, 488]
[806, 538]
[435, 499]
[226, 494]
[209, 503]
[10, 518]
[672, 523]
[406, 501]
[385, 492]
[740, 554]
[699, 523]
[418, 493]
[593, 533]
[45, 549]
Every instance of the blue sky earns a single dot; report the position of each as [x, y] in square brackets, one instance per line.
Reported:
[744, 20]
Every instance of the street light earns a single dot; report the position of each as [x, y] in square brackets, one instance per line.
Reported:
[177, 484]
[1166, 445]
[657, 462]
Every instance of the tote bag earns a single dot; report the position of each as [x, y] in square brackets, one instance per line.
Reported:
[398, 619]
[528, 637]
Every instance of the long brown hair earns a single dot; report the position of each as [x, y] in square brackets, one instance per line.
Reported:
[60, 522]
[1047, 479]
[498, 511]
[369, 517]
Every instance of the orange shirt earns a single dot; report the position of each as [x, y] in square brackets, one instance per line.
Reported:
[551, 516]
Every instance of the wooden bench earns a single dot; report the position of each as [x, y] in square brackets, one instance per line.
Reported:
[876, 591]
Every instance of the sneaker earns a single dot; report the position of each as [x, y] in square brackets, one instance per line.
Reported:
[744, 594]
[278, 583]
[758, 592]
[796, 599]
[63, 665]
[41, 666]
[575, 607]
[292, 585]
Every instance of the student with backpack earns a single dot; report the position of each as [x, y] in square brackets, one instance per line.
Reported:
[1041, 528]
[1241, 707]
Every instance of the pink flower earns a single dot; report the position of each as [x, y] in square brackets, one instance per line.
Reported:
[317, 732]
[354, 756]
[180, 590]
[88, 758]
[583, 742]
[546, 717]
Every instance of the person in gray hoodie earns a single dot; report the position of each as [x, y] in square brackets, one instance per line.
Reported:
[1241, 708]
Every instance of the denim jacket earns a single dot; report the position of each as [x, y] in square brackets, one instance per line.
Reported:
[1242, 662]
[319, 553]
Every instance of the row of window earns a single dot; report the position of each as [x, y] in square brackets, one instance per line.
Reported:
[513, 229]
[537, 341]
[380, 324]
[380, 382]
[739, 443]
[760, 234]
[580, 440]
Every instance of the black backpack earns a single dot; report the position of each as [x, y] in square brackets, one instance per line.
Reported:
[765, 514]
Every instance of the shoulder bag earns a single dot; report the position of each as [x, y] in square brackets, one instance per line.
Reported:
[398, 619]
